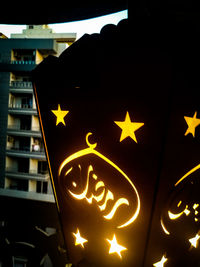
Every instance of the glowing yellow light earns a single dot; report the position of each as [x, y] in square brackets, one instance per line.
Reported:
[192, 123]
[94, 176]
[99, 185]
[79, 239]
[68, 171]
[179, 203]
[60, 114]
[109, 195]
[186, 211]
[187, 174]
[161, 262]
[174, 216]
[115, 247]
[164, 228]
[195, 206]
[194, 240]
[116, 205]
[74, 184]
[100, 197]
[128, 127]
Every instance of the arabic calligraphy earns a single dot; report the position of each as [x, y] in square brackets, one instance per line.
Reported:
[184, 203]
[96, 189]
[105, 194]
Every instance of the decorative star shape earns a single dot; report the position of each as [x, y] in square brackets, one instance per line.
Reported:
[128, 128]
[194, 240]
[79, 239]
[115, 247]
[161, 262]
[60, 114]
[192, 123]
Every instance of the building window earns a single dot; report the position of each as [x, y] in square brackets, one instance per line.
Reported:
[42, 187]
[17, 184]
[23, 165]
[42, 167]
[25, 122]
[30, 27]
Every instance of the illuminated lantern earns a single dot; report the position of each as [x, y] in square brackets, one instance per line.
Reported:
[122, 150]
[94, 142]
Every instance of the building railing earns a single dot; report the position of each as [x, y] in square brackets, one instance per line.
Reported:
[23, 62]
[20, 84]
[23, 128]
[20, 106]
[31, 172]
[26, 149]
[25, 111]
[27, 153]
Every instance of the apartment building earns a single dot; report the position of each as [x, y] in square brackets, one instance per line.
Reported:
[23, 166]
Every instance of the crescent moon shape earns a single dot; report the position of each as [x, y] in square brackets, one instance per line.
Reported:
[88, 143]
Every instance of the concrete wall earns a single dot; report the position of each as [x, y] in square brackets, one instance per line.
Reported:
[35, 121]
[33, 165]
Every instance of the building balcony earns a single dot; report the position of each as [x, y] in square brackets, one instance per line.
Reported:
[26, 152]
[17, 130]
[17, 65]
[21, 87]
[23, 62]
[31, 175]
[22, 109]
[27, 195]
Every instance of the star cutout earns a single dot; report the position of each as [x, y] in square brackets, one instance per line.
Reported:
[115, 247]
[161, 262]
[194, 240]
[79, 239]
[60, 114]
[192, 123]
[128, 127]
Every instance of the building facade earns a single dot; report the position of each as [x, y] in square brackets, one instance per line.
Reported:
[23, 167]
[30, 233]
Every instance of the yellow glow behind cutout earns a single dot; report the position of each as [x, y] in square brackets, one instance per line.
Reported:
[187, 174]
[109, 196]
[79, 240]
[117, 204]
[192, 123]
[164, 228]
[194, 240]
[115, 247]
[60, 114]
[128, 128]
[174, 216]
[161, 262]
[195, 206]
[91, 150]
